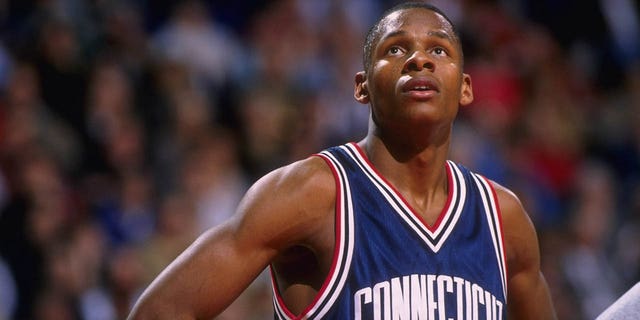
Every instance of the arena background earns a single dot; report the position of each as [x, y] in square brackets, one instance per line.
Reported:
[129, 127]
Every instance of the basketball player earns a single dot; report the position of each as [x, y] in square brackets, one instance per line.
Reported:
[385, 228]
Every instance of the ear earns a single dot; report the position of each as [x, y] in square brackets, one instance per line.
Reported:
[466, 90]
[360, 91]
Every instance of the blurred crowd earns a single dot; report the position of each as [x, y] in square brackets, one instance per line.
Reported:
[127, 128]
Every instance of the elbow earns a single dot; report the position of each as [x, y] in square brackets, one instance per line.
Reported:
[146, 309]
[142, 311]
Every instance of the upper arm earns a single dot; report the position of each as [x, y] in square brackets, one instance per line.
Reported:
[528, 294]
[278, 211]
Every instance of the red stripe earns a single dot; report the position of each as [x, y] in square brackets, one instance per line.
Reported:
[277, 295]
[504, 255]
[336, 249]
[442, 214]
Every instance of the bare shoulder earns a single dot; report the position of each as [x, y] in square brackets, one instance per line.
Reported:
[520, 236]
[310, 180]
[513, 212]
[509, 202]
[287, 205]
[310, 173]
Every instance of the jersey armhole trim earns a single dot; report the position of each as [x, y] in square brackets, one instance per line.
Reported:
[331, 284]
[504, 253]
[494, 219]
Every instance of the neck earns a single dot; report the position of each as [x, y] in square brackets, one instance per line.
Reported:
[417, 170]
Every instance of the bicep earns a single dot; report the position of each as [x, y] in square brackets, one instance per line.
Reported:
[528, 294]
[223, 261]
[203, 280]
[529, 297]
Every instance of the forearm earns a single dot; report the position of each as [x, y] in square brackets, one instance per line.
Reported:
[152, 307]
[530, 299]
[201, 282]
[173, 294]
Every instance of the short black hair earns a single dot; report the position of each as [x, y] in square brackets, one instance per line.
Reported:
[373, 36]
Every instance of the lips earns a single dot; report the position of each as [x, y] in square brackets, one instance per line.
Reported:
[420, 85]
[420, 88]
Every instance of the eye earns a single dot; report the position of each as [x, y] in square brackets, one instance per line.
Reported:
[439, 51]
[395, 51]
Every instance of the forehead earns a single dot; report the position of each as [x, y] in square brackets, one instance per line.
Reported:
[415, 19]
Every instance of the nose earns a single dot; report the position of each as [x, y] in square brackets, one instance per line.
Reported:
[418, 61]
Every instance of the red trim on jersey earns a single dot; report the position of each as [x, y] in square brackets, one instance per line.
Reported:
[504, 247]
[336, 251]
[276, 291]
[445, 209]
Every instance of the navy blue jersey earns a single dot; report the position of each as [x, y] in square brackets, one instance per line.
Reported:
[389, 264]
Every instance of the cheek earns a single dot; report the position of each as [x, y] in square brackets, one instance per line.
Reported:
[382, 78]
[380, 64]
[454, 80]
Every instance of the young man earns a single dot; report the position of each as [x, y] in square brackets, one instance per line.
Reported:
[385, 228]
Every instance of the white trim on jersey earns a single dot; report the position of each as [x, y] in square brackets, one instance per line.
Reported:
[343, 252]
[490, 202]
[450, 215]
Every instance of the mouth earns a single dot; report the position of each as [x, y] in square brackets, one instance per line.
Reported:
[421, 88]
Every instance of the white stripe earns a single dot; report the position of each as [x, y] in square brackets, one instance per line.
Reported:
[379, 185]
[496, 235]
[280, 313]
[346, 222]
[383, 185]
[406, 213]
[489, 202]
[457, 178]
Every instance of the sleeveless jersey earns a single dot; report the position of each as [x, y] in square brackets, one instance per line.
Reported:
[389, 264]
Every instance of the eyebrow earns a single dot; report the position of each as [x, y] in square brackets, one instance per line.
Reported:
[442, 35]
[393, 35]
[434, 33]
